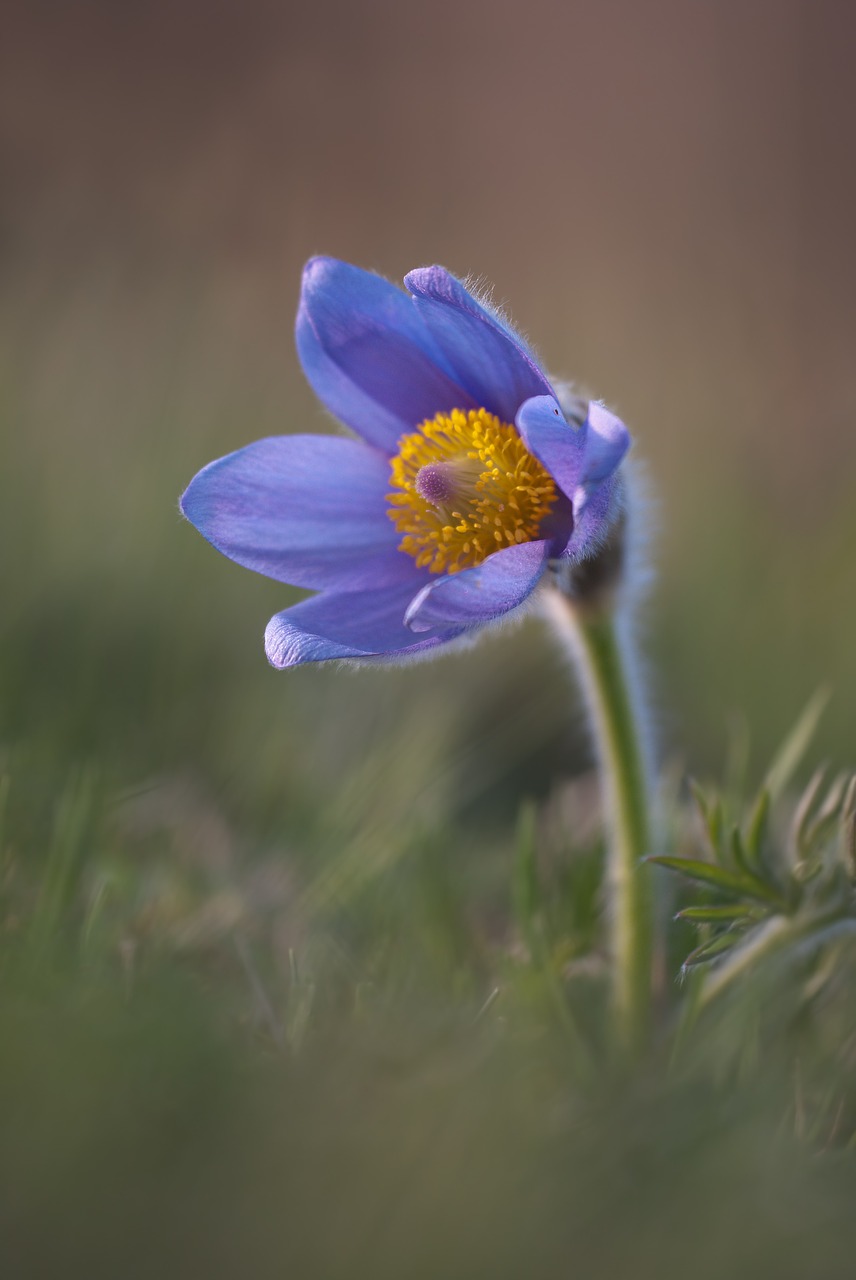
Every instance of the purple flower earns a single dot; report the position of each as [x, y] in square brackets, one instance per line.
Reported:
[465, 481]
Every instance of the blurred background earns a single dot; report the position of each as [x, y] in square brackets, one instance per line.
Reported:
[663, 195]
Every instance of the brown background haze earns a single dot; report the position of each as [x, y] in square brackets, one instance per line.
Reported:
[664, 194]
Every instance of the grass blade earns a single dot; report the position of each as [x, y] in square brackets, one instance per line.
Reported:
[728, 882]
[719, 915]
[792, 750]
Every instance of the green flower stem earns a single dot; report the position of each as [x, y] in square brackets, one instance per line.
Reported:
[602, 659]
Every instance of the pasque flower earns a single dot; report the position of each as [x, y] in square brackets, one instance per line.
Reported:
[468, 480]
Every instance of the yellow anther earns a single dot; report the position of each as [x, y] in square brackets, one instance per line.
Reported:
[459, 478]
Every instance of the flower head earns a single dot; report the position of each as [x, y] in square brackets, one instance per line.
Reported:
[466, 481]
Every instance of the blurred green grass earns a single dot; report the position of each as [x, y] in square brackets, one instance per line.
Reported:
[268, 998]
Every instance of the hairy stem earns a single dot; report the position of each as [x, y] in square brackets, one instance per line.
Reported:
[602, 657]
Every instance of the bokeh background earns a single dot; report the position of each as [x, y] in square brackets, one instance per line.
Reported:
[664, 196]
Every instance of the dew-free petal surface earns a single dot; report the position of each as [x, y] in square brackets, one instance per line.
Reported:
[474, 596]
[309, 510]
[555, 442]
[485, 356]
[369, 355]
[367, 625]
[607, 441]
[595, 512]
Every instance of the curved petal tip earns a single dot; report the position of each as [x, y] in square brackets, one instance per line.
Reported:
[488, 591]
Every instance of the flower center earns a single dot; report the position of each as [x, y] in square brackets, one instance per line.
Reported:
[464, 485]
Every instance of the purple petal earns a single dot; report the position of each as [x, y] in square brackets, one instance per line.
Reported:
[474, 596]
[310, 510]
[369, 355]
[555, 442]
[488, 359]
[607, 441]
[595, 512]
[598, 499]
[364, 625]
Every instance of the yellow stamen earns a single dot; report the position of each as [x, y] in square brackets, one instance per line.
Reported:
[464, 486]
